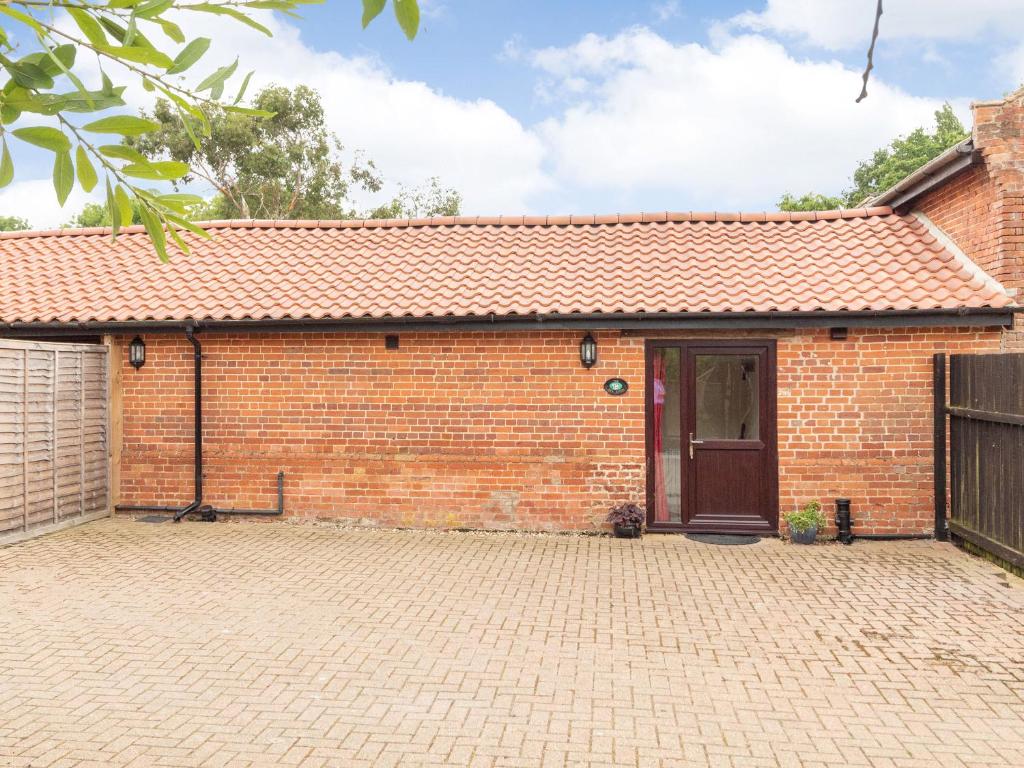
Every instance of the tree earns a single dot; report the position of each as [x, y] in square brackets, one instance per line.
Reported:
[98, 215]
[44, 87]
[13, 223]
[888, 165]
[287, 166]
[429, 200]
[812, 201]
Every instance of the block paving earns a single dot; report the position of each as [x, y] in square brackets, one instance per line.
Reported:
[247, 644]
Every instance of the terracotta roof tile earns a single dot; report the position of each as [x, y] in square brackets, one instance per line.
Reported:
[478, 266]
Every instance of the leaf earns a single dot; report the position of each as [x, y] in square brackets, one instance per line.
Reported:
[45, 137]
[262, 113]
[137, 54]
[189, 55]
[408, 14]
[115, 211]
[121, 152]
[150, 9]
[123, 125]
[156, 232]
[9, 113]
[178, 241]
[53, 60]
[24, 18]
[223, 10]
[6, 166]
[171, 29]
[241, 90]
[123, 204]
[186, 123]
[27, 74]
[218, 77]
[371, 10]
[63, 176]
[86, 173]
[180, 198]
[195, 229]
[164, 170]
[91, 28]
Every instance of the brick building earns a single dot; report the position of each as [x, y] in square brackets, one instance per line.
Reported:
[529, 372]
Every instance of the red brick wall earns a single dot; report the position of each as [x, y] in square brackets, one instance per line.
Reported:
[966, 209]
[477, 429]
[982, 208]
[507, 430]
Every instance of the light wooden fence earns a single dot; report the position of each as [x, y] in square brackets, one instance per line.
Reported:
[53, 436]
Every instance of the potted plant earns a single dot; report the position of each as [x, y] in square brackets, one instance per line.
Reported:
[627, 521]
[805, 523]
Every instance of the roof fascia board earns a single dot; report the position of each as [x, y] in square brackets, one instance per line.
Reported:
[930, 175]
[983, 316]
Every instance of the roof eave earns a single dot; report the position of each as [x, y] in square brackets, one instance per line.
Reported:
[961, 316]
[930, 175]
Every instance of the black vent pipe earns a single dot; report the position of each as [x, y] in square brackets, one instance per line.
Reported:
[197, 363]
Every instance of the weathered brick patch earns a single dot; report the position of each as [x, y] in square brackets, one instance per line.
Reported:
[204, 645]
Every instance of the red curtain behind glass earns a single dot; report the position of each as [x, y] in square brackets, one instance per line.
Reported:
[660, 496]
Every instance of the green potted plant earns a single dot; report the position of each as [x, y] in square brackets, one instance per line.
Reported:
[805, 523]
[627, 521]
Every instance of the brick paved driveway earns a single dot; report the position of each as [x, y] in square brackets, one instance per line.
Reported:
[274, 644]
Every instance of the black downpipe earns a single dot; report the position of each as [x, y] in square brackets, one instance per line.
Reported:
[197, 362]
[208, 512]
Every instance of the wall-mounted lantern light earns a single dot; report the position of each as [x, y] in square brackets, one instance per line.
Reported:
[588, 351]
[137, 352]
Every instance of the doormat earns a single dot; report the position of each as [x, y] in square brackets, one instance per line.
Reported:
[152, 519]
[723, 538]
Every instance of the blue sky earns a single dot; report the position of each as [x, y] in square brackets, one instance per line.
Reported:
[598, 106]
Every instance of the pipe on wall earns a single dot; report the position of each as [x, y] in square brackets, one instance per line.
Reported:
[196, 505]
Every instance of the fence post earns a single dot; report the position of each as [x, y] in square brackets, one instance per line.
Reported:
[939, 417]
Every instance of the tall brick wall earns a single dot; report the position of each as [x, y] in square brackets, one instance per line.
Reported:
[508, 430]
[982, 208]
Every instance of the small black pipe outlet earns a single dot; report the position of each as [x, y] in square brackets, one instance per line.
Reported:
[843, 521]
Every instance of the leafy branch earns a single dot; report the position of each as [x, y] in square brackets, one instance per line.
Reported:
[37, 106]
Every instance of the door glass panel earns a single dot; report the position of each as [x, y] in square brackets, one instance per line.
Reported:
[727, 397]
[667, 435]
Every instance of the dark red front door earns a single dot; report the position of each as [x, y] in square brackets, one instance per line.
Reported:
[711, 448]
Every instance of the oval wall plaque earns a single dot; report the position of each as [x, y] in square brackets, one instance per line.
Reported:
[616, 386]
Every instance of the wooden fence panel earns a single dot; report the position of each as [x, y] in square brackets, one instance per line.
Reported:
[53, 436]
[986, 408]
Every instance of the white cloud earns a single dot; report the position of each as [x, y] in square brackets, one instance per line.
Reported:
[728, 127]
[411, 130]
[843, 24]
[1012, 64]
[637, 122]
[666, 10]
[35, 201]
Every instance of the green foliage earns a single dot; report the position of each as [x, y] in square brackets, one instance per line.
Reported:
[139, 41]
[808, 517]
[812, 201]
[13, 223]
[888, 165]
[286, 166]
[98, 215]
[431, 199]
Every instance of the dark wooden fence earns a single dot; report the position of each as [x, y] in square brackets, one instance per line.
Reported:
[986, 450]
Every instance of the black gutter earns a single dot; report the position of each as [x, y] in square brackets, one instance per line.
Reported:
[962, 316]
[197, 461]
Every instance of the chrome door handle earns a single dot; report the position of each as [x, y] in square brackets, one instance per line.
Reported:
[693, 443]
